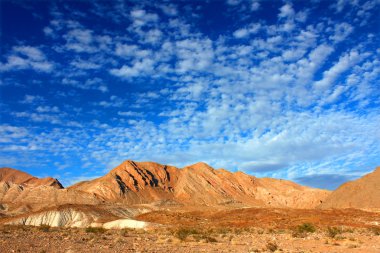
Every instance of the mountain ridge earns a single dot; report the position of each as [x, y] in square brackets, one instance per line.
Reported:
[142, 182]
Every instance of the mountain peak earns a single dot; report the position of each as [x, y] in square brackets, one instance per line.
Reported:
[200, 166]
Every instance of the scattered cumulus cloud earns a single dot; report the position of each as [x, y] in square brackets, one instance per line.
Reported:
[273, 89]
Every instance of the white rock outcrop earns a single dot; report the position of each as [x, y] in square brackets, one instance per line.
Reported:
[61, 218]
[125, 223]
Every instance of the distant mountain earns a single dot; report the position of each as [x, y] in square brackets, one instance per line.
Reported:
[363, 193]
[197, 184]
[21, 192]
[9, 175]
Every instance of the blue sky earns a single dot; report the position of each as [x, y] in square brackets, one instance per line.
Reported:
[273, 88]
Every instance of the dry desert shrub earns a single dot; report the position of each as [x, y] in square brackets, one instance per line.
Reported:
[304, 229]
[334, 231]
[126, 231]
[96, 230]
[223, 231]
[44, 228]
[272, 246]
[375, 230]
[183, 233]
[205, 238]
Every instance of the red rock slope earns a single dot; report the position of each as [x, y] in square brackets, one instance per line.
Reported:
[363, 193]
[198, 184]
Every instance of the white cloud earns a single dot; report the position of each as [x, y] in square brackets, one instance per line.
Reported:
[169, 9]
[81, 64]
[233, 2]
[141, 17]
[80, 40]
[255, 5]
[194, 55]
[130, 114]
[12, 134]
[286, 11]
[89, 84]
[43, 109]
[114, 101]
[345, 62]
[30, 52]
[30, 99]
[341, 32]
[141, 67]
[27, 57]
[245, 32]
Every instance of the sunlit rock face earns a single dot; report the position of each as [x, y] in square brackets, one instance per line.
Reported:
[198, 184]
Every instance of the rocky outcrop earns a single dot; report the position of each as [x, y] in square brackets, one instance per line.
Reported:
[126, 223]
[197, 184]
[363, 193]
[63, 218]
[80, 216]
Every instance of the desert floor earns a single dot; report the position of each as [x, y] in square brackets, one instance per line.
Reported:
[244, 230]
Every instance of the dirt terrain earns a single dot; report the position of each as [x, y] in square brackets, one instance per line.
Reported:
[244, 230]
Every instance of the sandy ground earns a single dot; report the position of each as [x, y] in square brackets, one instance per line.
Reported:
[244, 230]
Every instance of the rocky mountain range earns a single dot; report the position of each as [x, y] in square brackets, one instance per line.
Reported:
[198, 184]
[137, 187]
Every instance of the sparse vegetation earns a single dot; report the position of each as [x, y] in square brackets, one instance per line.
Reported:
[205, 238]
[375, 230]
[333, 232]
[183, 233]
[306, 227]
[223, 231]
[197, 235]
[44, 228]
[303, 229]
[272, 246]
[96, 230]
[126, 231]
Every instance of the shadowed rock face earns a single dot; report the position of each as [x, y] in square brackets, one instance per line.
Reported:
[363, 193]
[9, 175]
[198, 184]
